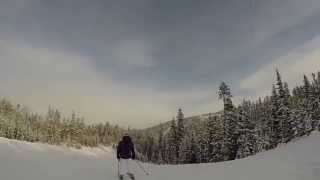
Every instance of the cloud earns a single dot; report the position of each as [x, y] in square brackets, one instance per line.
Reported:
[133, 54]
[39, 76]
[13, 7]
[299, 61]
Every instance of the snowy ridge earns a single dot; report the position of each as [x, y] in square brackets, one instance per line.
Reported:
[297, 160]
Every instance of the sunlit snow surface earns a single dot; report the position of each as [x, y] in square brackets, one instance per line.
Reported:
[299, 160]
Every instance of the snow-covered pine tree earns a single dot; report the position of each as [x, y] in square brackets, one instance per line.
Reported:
[315, 101]
[288, 125]
[172, 143]
[210, 138]
[203, 142]
[274, 120]
[299, 114]
[192, 150]
[307, 104]
[184, 149]
[180, 133]
[164, 151]
[263, 128]
[160, 149]
[230, 125]
[283, 113]
[247, 136]
[150, 148]
[316, 85]
[214, 139]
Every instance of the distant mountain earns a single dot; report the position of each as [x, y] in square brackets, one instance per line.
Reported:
[189, 122]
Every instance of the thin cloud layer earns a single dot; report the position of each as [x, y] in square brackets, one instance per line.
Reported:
[133, 54]
[55, 78]
[299, 61]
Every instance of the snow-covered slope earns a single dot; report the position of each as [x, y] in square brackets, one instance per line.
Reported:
[298, 160]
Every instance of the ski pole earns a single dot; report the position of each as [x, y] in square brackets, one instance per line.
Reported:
[118, 168]
[142, 168]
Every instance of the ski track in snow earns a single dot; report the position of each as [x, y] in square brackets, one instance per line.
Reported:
[298, 160]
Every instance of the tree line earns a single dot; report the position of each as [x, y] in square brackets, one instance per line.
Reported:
[238, 131]
[16, 122]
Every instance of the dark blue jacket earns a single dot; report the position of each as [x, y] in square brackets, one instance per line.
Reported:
[125, 149]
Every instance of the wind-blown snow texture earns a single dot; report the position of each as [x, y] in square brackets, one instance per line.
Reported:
[31, 161]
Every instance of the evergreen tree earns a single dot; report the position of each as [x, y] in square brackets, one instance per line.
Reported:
[307, 105]
[214, 139]
[274, 120]
[203, 143]
[172, 148]
[247, 137]
[316, 101]
[192, 151]
[283, 113]
[161, 146]
[230, 125]
[180, 132]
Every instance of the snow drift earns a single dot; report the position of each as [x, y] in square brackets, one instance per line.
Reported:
[298, 160]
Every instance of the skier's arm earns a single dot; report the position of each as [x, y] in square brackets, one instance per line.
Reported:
[118, 151]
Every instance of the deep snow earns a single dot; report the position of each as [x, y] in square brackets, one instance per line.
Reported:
[298, 160]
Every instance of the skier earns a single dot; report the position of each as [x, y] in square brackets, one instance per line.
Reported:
[125, 155]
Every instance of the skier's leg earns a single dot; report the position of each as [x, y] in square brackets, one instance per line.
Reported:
[130, 174]
[122, 168]
[121, 177]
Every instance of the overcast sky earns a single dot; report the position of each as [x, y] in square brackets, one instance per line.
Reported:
[135, 62]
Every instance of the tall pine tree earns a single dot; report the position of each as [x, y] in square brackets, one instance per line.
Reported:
[229, 124]
[180, 134]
